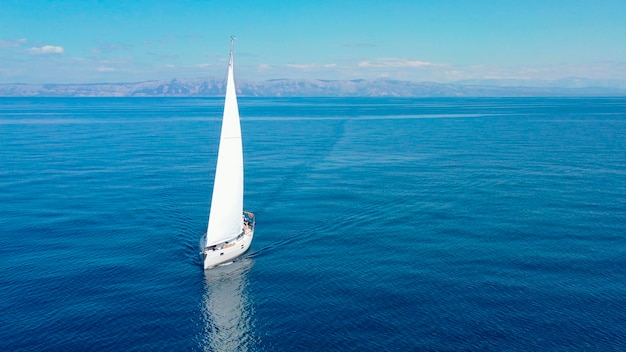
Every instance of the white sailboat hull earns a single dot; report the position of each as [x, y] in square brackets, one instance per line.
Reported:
[215, 257]
[228, 251]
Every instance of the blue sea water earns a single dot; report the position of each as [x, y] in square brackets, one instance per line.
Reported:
[388, 224]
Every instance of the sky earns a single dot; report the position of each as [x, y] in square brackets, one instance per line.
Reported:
[89, 41]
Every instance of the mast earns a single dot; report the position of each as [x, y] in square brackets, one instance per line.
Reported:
[232, 50]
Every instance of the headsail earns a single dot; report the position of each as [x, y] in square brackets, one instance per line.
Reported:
[225, 219]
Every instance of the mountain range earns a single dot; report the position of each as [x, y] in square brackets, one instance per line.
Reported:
[323, 88]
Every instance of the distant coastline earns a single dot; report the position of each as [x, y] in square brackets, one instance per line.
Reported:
[317, 88]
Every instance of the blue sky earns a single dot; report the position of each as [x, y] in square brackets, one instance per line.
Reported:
[90, 41]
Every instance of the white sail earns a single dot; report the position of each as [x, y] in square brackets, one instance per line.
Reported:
[225, 218]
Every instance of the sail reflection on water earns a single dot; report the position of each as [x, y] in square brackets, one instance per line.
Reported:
[227, 311]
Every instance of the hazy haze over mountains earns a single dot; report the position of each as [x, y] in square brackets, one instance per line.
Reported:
[321, 88]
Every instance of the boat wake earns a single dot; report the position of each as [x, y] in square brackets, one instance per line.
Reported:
[273, 246]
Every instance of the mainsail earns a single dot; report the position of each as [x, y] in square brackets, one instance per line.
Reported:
[225, 219]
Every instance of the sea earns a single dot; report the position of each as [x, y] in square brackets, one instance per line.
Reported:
[383, 224]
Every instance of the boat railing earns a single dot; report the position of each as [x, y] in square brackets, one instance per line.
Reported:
[248, 219]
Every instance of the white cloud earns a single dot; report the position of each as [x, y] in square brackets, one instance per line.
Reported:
[105, 69]
[594, 70]
[14, 43]
[396, 63]
[304, 67]
[46, 49]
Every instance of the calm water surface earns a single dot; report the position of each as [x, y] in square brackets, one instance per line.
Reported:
[382, 224]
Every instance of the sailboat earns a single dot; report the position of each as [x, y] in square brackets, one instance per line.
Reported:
[230, 228]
